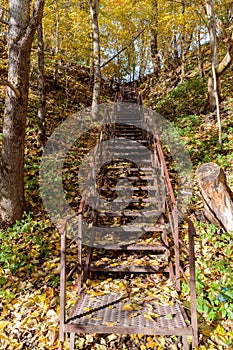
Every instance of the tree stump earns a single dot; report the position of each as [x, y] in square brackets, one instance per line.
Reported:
[217, 195]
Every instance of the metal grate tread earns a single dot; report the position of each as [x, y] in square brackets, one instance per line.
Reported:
[106, 311]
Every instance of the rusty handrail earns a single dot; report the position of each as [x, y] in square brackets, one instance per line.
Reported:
[174, 211]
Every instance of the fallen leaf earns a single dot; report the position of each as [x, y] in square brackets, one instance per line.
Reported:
[127, 307]
[111, 324]
[3, 324]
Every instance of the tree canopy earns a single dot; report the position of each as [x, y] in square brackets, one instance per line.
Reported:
[178, 25]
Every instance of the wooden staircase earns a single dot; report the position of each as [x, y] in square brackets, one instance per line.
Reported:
[144, 223]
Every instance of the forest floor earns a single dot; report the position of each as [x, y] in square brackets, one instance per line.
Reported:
[30, 250]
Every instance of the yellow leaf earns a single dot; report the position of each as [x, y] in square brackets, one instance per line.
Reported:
[97, 318]
[35, 313]
[94, 293]
[93, 283]
[151, 316]
[24, 321]
[122, 285]
[151, 345]
[101, 347]
[111, 324]
[148, 317]
[87, 308]
[219, 330]
[134, 314]
[138, 262]
[3, 324]
[3, 337]
[127, 307]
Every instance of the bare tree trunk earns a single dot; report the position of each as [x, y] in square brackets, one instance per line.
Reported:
[154, 41]
[143, 59]
[93, 4]
[41, 86]
[214, 52]
[91, 63]
[217, 68]
[228, 58]
[56, 42]
[183, 46]
[200, 55]
[22, 29]
[175, 50]
[217, 104]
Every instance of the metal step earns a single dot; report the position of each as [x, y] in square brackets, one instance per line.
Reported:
[139, 177]
[132, 169]
[129, 213]
[133, 188]
[131, 269]
[105, 314]
[132, 247]
[150, 200]
[128, 132]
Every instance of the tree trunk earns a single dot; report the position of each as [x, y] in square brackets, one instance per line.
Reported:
[214, 55]
[183, 45]
[154, 41]
[218, 197]
[200, 54]
[41, 86]
[143, 59]
[21, 32]
[57, 28]
[228, 58]
[221, 67]
[93, 4]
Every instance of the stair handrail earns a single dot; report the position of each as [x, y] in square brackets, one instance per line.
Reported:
[63, 230]
[176, 215]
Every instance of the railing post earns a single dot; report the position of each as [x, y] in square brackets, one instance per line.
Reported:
[193, 296]
[177, 248]
[79, 253]
[63, 285]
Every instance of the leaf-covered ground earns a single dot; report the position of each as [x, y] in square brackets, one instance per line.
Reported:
[30, 251]
[30, 292]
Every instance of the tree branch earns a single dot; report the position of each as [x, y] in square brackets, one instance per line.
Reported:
[11, 86]
[35, 20]
[228, 58]
[123, 49]
[222, 29]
